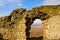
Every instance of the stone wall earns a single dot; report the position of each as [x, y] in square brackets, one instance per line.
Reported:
[13, 26]
[51, 30]
[16, 26]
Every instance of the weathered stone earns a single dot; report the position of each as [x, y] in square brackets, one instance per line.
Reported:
[51, 30]
[16, 26]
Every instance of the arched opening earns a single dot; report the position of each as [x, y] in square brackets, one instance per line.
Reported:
[30, 21]
[35, 21]
[36, 30]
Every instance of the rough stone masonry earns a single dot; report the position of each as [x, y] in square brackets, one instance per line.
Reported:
[17, 25]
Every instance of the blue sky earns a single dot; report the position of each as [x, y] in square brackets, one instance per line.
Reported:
[7, 6]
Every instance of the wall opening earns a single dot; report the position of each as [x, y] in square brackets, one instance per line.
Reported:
[36, 30]
[30, 22]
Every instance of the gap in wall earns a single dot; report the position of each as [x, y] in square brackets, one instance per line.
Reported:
[36, 30]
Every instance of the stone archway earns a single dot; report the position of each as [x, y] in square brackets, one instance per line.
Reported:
[30, 19]
[16, 26]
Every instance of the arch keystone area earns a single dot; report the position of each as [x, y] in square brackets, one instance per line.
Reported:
[16, 26]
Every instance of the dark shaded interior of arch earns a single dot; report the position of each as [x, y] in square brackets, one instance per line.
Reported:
[29, 22]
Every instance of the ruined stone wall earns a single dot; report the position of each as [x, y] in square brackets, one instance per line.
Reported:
[51, 30]
[13, 26]
[16, 26]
